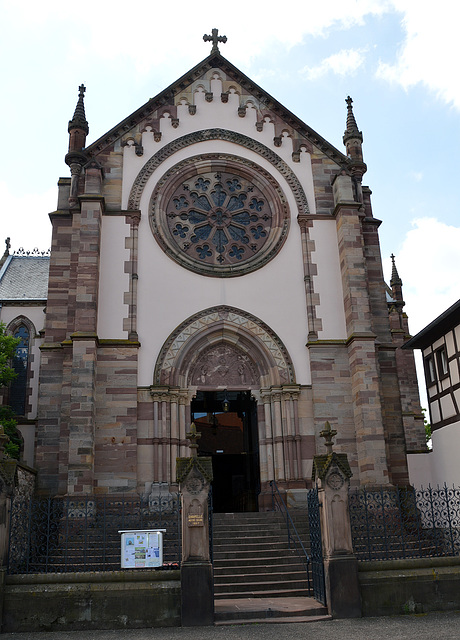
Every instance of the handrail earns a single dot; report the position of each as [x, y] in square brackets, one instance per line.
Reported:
[279, 504]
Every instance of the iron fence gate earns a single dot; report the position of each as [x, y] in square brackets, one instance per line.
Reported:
[316, 548]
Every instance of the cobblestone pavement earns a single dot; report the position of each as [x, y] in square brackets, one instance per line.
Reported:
[434, 626]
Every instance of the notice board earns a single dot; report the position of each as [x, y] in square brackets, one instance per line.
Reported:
[142, 549]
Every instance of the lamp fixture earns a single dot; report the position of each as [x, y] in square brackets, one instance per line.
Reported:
[226, 403]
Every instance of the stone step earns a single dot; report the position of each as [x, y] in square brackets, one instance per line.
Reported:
[258, 610]
[282, 592]
[256, 565]
[257, 586]
[256, 548]
[252, 578]
[272, 620]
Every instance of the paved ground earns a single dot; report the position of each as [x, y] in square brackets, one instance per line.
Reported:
[435, 626]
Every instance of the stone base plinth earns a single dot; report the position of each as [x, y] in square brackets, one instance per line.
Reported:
[197, 594]
[342, 587]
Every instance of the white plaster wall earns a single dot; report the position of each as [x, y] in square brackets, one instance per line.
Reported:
[168, 293]
[434, 412]
[450, 344]
[113, 281]
[209, 115]
[328, 282]
[420, 469]
[446, 447]
[447, 407]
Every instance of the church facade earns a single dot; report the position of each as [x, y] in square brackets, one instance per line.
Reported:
[215, 260]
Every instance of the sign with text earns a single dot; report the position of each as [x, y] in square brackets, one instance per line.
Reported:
[142, 549]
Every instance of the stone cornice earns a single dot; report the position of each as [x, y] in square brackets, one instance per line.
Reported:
[326, 343]
[340, 206]
[361, 336]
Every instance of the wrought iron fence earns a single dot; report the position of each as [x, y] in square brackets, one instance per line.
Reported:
[404, 522]
[294, 540]
[316, 545]
[58, 535]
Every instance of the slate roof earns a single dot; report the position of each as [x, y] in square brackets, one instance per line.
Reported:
[24, 278]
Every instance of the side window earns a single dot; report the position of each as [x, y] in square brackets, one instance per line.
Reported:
[430, 371]
[443, 365]
[18, 388]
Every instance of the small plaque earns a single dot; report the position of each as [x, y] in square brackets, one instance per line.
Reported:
[195, 520]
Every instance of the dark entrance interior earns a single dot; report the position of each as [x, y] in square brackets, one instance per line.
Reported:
[227, 421]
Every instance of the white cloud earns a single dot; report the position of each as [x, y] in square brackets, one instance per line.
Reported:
[429, 267]
[417, 176]
[25, 218]
[153, 33]
[430, 51]
[345, 62]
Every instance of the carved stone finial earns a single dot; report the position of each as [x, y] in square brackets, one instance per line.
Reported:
[395, 279]
[193, 435]
[214, 38]
[328, 433]
[5, 255]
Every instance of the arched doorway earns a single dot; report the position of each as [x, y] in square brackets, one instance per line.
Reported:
[227, 422]
[226, 350]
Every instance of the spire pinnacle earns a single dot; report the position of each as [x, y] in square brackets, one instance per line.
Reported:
[395, 279]
[352, 130]
[79, 118]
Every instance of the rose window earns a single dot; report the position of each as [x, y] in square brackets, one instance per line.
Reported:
[219, 220]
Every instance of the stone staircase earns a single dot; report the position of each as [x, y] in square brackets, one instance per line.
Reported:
[257, 577]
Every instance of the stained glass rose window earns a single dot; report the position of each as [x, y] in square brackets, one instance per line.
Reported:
[219, 216]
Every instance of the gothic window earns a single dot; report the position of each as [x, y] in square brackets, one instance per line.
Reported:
[18, 388]
[219, 216]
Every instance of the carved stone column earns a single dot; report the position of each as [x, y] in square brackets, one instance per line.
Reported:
[268, 473]
[332, 473]
[194, 476]
[280, 473]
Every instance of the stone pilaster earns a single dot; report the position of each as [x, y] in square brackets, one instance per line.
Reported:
[363, 362]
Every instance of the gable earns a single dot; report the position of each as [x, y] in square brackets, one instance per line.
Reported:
[199, 80]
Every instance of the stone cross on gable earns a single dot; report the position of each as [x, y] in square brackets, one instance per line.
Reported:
[214, 38]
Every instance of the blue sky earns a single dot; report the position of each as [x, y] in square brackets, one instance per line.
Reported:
[396, 58]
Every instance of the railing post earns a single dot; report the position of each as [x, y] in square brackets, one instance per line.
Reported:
[332, 474]
[194, 476]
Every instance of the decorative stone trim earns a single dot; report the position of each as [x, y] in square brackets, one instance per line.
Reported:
[199, 216]
[217, 134]
[130, 323]
[179, 352]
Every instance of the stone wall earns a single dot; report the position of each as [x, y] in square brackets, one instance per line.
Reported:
[84, 601]
[419, 585]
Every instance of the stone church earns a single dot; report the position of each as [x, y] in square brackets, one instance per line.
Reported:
[215, 260]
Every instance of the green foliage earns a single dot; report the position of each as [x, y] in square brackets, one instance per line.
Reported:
[427, 429]
[13, 447]
[8, 346]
